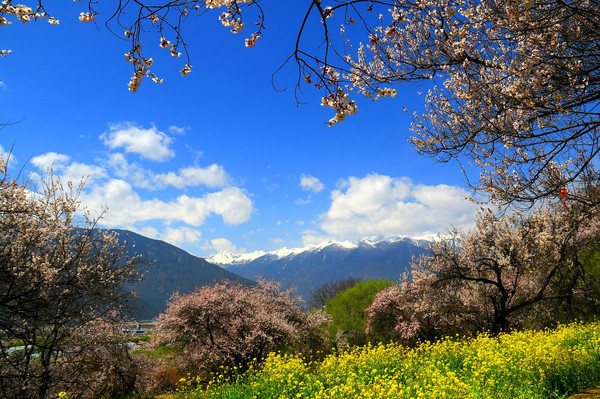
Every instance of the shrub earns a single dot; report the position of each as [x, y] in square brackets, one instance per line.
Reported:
[348, 307]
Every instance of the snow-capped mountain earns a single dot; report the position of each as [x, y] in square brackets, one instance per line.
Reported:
[309, 267]
[226, 258]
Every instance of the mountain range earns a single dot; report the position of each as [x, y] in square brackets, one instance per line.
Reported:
[310, 267]
[168, 270]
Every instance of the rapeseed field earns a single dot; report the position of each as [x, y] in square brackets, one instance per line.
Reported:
[529, 364]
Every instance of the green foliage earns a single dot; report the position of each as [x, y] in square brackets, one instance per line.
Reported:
[163, 351]
[590, 269]
[347, 309]
[320, 296]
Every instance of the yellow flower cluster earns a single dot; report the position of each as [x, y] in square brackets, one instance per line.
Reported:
[528, 364]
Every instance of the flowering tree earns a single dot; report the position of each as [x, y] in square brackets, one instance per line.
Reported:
[514, 84]
[58, 274]
[232, 325]
[509, 271]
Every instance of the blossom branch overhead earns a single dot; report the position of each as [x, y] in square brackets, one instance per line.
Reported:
[134, 21]
[514, 85]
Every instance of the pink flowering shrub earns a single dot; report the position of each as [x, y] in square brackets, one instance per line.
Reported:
[231, 325]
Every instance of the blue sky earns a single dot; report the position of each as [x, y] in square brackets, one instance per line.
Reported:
[217, 159]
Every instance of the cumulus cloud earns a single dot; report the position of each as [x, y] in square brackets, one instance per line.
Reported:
[127, 207]
[311, 183]
[182, 235]
[68, 171]
[223, 244]
[377, 204]
[147, 231]
[311, 237]
[50, 159]
[149, 143]
[212, 176]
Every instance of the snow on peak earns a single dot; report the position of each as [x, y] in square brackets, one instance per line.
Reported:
[378, 240]
[229, 258]
[226, 258]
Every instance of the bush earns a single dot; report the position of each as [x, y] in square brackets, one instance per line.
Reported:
[348, 307]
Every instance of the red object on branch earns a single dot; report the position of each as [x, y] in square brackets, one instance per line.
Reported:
[563, 194]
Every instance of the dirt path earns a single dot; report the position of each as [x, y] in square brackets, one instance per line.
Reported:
[591, 393]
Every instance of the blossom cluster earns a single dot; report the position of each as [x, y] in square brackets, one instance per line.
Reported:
[141, 67]
[24, 14]
[230, 20]
[86, 17]
[341, 103]
[506, 273]
[53, 260]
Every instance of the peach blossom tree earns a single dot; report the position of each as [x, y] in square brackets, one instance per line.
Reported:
[232, 326]
[510, 271]
[58, 275]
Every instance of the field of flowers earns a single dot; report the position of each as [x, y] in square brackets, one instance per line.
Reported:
[546, 364]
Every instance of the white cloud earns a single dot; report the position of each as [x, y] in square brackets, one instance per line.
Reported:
[126, 206]
[311, 237]
[232, 204]
[223, 244]
[50, 160]
[75, 171]
[213, 176]
[378, 204]
[8, 156]
[301, 201]
[149, 143]
[146, 231]
[182, 235]
[119, 165]
[311, 183]
[177, 130]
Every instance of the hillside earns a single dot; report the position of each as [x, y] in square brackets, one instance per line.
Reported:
[173, 270]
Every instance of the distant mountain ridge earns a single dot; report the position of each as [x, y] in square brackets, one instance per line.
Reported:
[309, 267]
[173, 270]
